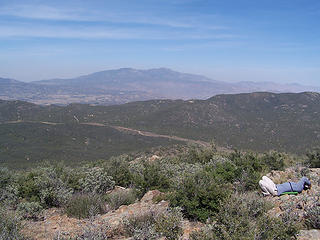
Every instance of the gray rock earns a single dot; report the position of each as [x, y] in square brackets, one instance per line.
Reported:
[313, 234]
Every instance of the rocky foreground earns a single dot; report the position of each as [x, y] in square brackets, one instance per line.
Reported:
[297, 205]
[56, 224]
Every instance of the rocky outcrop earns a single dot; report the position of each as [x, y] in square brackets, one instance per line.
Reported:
[188, 227]
[56, 223]
[145, 205]
[297, 205]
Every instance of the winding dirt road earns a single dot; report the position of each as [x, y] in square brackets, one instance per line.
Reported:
[151, 134]
[126, 130]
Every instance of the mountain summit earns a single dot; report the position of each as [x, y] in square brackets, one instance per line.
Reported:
[127, 84]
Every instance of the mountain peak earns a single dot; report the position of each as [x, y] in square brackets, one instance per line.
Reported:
[163, 69]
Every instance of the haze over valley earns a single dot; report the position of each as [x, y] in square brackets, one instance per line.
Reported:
[127, 85]
[78, 132]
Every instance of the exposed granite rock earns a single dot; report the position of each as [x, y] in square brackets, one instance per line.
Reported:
[188, 227]
[57, 223]
[145, 205]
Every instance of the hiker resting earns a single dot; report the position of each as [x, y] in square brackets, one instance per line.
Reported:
[269, 188]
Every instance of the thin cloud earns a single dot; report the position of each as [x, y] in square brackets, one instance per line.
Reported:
[45, 12]
[209, 45]
[93, 32]
[64, 32]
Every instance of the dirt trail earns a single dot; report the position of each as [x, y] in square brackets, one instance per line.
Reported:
[150, 134]
[21, 121]
[127, 130]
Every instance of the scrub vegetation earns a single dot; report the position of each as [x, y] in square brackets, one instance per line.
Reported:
[216, 188]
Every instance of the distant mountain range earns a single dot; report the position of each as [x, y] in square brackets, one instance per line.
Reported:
[127, 85]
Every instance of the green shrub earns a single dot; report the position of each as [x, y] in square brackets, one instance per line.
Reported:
[249, 169]
[313, 158]
[94, 232]
[5, 177]
[236, 216]
[9, 225]
[141, 227]
[119, 198]
[312, 216]
[243, 170]
[9, 195]
[266, 229]
[169, 224]
[71, 177]
[274, 160]
[205, 233]
[176, 171]
[28, 188]
[96, 181]
[91, 231]
[199, 196]
[118, 168]
[243, 217]
[44, 185]
[273, 228]
[85, 206]
[223, 171]
[53, 192]
[30, 210]
[151, 178]
[9, 192]
[153, 225]
[199, 155]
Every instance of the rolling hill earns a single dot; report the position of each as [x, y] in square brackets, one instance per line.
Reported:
[257, 121]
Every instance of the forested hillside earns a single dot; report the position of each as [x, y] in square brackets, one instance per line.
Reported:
[256, 121]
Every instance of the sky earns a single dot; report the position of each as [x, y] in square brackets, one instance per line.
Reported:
[227, 40]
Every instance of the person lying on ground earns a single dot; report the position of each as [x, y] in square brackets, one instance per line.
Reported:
[269, 188]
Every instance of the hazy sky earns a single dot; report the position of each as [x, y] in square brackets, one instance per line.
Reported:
[229, 40]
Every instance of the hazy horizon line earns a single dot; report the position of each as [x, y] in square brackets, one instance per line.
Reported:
[159, 68]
